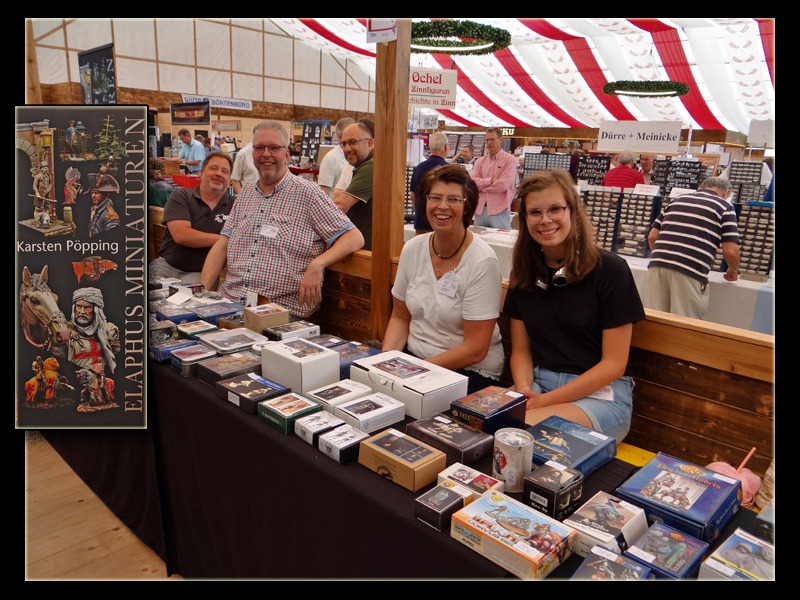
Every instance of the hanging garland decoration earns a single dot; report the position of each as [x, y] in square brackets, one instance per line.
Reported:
[653, 89]
[457, 37]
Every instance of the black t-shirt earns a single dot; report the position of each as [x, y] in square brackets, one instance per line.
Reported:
[565, 324]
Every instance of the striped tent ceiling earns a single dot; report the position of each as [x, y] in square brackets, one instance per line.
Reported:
[553, 73]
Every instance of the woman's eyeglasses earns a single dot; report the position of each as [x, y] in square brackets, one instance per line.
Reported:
[555, 213]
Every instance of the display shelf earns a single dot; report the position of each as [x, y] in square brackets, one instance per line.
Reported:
[592, 168]
[602, 205]
[636, 213]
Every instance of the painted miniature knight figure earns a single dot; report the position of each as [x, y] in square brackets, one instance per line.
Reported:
[102, 216]
[92, 339]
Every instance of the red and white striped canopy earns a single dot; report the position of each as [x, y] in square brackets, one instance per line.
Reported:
[553, 73]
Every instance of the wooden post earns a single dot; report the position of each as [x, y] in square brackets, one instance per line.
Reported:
[33, 89]
[391, 122]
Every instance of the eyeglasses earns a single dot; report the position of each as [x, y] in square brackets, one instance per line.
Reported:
[354, 142]
[273, 148]
[451, 200]
[556, 213]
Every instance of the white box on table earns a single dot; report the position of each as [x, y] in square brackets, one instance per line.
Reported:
[300, 365]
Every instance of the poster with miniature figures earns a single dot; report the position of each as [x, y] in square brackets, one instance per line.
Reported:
[80, 269]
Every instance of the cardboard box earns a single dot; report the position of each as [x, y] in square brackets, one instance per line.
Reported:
[571, 444]
[227, 341]
[282, 411]
[210, 371]
[299, 364]
[214, 312]
[478, 483]
[195, 287]
[436, 506]
[490, 409]
[349, 352]
[161, 331]
[553, 489]
[290, 331]
[342, 443]
[258, 318]
[246, 391]
[741, 557]
[765, 522]
[310, 427]
[176, 313]
[423, 387]
[184, 360]
[695, 500]
[371, 413]
[607, 521]
[601, 564]
[192, 329]
[333, 394]
[520, 539]
[233, 322]
[401, 458]
[670, 553]
[327, 340]
[460, 442]
[162, 352]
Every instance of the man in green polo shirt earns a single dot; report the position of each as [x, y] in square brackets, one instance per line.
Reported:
[355, 201]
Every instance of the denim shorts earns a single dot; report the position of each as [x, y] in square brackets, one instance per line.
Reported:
[609, 418]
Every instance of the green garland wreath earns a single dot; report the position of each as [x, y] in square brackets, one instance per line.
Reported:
[622, 88]
[435, 33]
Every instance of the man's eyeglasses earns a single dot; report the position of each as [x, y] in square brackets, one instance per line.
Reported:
[556, 213]
[354, 142]
[451, 200]
[273, 148]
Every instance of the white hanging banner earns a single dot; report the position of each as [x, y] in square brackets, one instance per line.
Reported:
[639, 136]
[433, 88]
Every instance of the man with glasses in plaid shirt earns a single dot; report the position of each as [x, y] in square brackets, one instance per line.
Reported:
[280, 236]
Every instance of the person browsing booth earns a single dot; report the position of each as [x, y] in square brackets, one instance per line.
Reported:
[624, 175]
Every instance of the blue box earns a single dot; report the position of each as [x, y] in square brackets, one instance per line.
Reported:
[490, 409]
[670, 553]
[571, 445]
[161, 352]
[350, 351]
[213, 312]
[176, 314]
[688, 497]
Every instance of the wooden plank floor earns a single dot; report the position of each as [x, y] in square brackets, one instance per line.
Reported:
[70, 533]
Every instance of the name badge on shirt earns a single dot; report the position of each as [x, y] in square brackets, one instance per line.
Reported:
[269, 231]
[448, 284]
[604, 393]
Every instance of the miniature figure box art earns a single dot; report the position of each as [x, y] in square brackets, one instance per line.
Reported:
[227, 365]
[195, 287]
[601, 564]
[226, 341]
[460, 442]
[184, 360]
[282, 411]
[342, 443]
[436, 506]
[553, 489]
[371, 413]
[522, 540]
[219, 310]
[310, 427]
[670, 553]
[258, 318]
[162, 351]
[571, 444]
[401, 458]
[607, 521]
[333, 394]
[490, 409]
[161, 331]
[192, 329]
[246, 391]
[688, 497]
[478, 483]
[741, 557]
[299, 364]
[290, 331]
[349, 352]
[425, 389]
[176, 313]
[327, 340]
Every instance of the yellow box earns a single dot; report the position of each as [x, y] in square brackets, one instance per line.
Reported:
[258, 318]
[402, 459]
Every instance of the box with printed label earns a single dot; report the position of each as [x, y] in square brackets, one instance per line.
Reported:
[282, 411]
[162, 351]
[601, 564]
[461, 442]
[184, 360]
[571, 444]
[371, 413]
[176, 313]
[490, 409]
[310, 427]
[333, 394]
[425, 389]
[478, 483]
[741, 557]
[327, 340]
[210, 371]
[670, 553]
[342, 443]
[226, 341]
[683, 495]
[607, 521]
[299, 364]
[161, 331]
[218, 310]
[349, 352]
[553, 489]
[436, 506]
[290, 331]
[522, 540]
[191, 329]
[401, 458]
[258, 318]
[246, 391]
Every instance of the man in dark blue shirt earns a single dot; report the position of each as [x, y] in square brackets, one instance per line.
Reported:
[437, 144]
